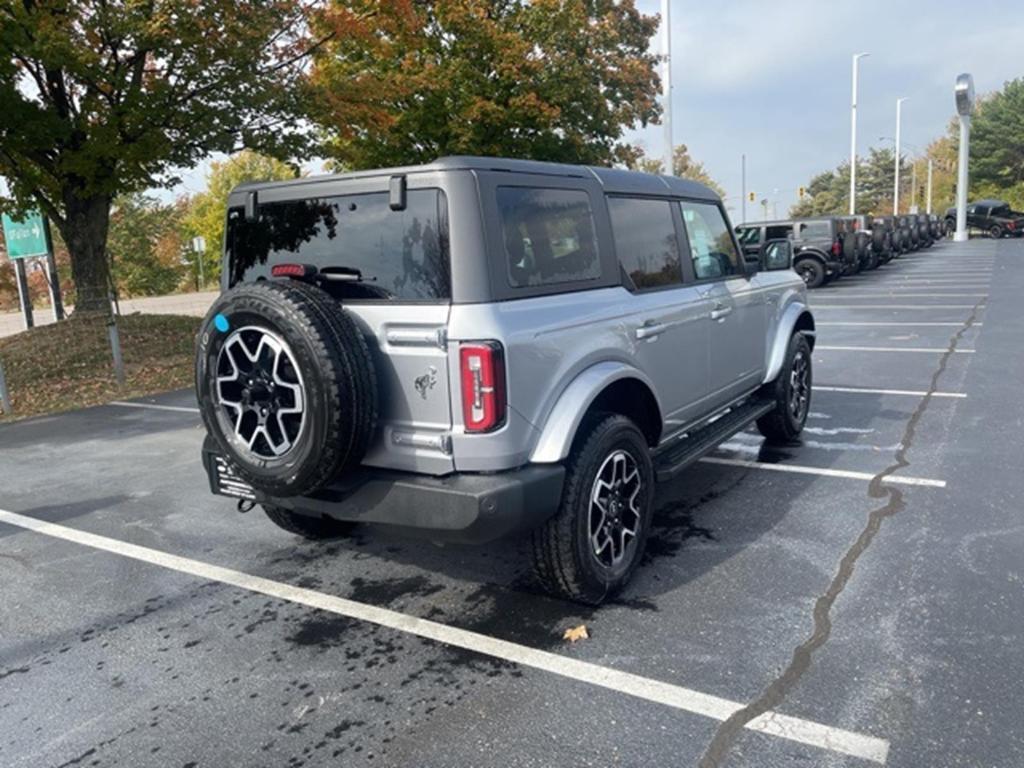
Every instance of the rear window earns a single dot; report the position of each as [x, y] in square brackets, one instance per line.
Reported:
[400, 255]
[1001, 210]
[548, 236]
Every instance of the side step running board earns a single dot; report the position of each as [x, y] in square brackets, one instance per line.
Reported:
[673, 459]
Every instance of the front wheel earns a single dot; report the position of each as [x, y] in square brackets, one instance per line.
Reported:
[590, 548]
[812, 272]
[791, 392]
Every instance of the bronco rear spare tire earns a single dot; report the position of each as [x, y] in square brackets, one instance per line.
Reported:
[286, 386]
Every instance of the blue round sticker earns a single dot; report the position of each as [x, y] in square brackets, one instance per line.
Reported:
[221, 323]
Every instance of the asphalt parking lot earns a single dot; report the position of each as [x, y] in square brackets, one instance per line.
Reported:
[853, 600]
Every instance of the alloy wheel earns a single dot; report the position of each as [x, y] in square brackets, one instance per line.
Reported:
[615, 508]
[261, 392]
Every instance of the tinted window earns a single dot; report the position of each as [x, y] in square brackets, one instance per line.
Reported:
[398, 254]
[711, 244]
[1000, 210]
[748, 235]
[548, 235]
[645, 241]
[778, 233]
[816, 230]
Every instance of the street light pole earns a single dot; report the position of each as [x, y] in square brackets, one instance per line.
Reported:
[666, 49]
[896, 182]
[929, 211]
[964, 92]
[743, 183]
[853, 135]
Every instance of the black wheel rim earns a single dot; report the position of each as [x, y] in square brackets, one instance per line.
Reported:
[807, 274]
[799, 387]
[615, 516]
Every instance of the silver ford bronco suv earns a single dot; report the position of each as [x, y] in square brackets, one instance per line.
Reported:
[479, 346]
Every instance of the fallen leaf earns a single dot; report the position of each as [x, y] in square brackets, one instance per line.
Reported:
[576, 633]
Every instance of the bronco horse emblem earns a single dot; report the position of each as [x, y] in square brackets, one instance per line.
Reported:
[426, 382]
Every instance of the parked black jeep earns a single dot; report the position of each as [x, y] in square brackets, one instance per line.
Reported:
[883, 238]
[817, 247]
[994, 216]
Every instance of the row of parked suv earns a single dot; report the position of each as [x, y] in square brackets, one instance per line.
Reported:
[827, 247]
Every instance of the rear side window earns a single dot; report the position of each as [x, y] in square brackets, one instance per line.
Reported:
[645, 241]
[816, 230]
[778, 233]
[711, 244]
[399, 255]
[548, 236]
[748, 235]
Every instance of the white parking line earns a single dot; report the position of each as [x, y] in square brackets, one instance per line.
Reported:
[934, 350]
[815, 305]
[846, 474]
[950, 323]
[868, 391]
[648, 689]
[905, 295]
[154, 406]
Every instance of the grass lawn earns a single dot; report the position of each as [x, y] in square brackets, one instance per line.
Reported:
[69, 364]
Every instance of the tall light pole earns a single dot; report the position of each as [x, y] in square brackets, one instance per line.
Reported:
[853, 135]
[896, 182]
[964, 106]
[929, 209]
[666, 50]
[743, 184]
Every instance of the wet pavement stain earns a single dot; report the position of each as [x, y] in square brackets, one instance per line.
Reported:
[729, 730]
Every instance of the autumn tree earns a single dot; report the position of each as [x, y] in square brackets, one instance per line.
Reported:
[102, 98]
[542, 79]
[828, 193]
[145, 246]
[207, 211]
[683, 166]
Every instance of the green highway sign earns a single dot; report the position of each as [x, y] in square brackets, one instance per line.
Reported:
[27, 237]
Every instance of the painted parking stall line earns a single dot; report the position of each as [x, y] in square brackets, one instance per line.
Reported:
[898, 392]
[677, 697]
[929, 350]
[154, 406]
[844, 474]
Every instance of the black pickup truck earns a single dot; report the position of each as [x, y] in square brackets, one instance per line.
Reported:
[994, 216]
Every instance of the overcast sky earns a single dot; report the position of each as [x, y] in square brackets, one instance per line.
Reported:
[772, 80]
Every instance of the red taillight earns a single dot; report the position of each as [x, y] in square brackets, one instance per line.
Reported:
[292, 270]
[1011, 225]
[482, 370]
[836, 248]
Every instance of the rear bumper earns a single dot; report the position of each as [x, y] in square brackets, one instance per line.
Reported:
[466, 507]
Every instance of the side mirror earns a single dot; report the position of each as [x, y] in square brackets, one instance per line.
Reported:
[777, 255]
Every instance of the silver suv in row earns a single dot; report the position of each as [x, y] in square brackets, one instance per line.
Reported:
[479, 346]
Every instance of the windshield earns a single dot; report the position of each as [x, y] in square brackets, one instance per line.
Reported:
[400, 255]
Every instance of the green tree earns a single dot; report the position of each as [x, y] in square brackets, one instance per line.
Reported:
[828, 193]
[145, 246]
[102, 98]
[997, 145]
[683, 166]
[207, 211]
[543, 79]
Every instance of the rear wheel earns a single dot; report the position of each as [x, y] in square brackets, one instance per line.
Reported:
[995, 232]
[592, 545]
[791, 392]
[811, 271]
[314, 527]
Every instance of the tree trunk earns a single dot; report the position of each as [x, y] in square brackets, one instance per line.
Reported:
[86, 222]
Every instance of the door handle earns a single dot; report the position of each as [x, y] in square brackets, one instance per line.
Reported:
[720, 311]
[650, 330]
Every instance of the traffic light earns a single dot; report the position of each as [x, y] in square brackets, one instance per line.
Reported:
[752, 197]
[802, 191]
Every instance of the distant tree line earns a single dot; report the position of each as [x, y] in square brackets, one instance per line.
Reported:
[996, 165]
